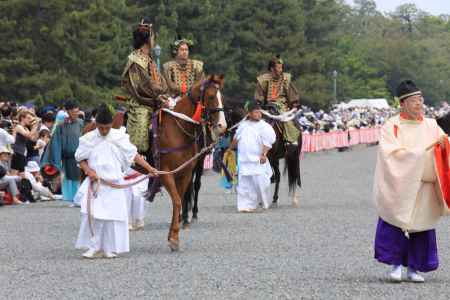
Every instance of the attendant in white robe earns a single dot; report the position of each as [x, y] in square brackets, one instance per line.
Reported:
[104, 155]
[254, 138]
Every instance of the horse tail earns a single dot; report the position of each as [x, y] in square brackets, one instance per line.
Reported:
[292, 166]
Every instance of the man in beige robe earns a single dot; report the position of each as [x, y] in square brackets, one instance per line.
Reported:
[406, 189]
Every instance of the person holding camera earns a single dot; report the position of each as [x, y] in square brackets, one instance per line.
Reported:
[26, 130]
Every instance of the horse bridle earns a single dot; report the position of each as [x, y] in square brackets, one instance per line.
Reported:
[206, 112]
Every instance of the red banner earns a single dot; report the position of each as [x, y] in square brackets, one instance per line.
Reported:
[338, 139]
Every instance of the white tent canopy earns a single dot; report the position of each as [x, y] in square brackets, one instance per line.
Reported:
[369, 103]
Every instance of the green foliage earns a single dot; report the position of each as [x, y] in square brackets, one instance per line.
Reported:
[53, 50]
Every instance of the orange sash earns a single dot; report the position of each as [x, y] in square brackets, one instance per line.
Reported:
[442, 165]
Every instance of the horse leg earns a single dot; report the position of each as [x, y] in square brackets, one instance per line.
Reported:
[182, 184]
[295, 198]
[197, 186]
[293, 168]
[187, 198]
[169, 183]
[277, 178]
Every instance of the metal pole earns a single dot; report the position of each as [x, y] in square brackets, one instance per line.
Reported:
[157, 51]
[335, 74]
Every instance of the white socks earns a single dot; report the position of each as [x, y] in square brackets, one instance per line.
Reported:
[396, 275]
[413, 276]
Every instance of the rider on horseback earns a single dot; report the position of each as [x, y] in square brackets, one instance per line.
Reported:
[144, 86]
[276, 88]
[182, 72]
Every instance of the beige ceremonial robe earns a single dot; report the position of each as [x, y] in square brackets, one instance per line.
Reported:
[407, 192]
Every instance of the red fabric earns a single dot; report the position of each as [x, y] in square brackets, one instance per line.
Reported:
[396, 131]
[7, 199]
[50, 170]
[442, 165]
[132, 176]
[184, 88]
[198, 113]
[326, 141]
[405, 116]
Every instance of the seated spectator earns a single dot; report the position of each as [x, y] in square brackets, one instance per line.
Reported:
[7, 181]
[38, 191]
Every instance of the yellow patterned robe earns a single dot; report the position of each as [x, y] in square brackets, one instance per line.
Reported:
[181, 77]
[143, 85]
[282, 92]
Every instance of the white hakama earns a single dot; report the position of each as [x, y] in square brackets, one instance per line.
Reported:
[109, 236]
[136, 203]
[109, 157]
[253, 177]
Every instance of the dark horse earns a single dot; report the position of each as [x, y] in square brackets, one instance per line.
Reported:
[280, 150]
[177, 141]
[190, 200]
[291, 154]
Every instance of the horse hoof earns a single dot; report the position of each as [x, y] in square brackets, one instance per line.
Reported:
[274, 205]
[194, 219]
[296, 204]
[186, 225]
[174, 245]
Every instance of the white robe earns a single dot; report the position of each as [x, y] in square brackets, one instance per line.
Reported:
[109, 157]
[136, 201]
[253, 177]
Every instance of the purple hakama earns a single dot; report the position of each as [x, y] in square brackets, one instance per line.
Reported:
[419, 252]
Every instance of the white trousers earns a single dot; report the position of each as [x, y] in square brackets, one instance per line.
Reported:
[136, 202]
[109, 236]
[253, 190]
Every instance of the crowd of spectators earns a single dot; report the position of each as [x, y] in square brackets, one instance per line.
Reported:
[363, 117]
[24, 135]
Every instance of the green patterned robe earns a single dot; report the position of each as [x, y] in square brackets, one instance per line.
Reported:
[143, 85]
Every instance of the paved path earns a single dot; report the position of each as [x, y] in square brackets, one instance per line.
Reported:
[323, 250]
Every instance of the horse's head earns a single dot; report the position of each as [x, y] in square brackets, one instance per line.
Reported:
[211, 100]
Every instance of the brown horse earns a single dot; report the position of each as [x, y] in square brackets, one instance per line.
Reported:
[178, 141]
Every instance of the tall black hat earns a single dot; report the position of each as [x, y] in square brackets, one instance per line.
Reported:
[407, 89]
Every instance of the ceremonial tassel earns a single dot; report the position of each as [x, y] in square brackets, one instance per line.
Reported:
[198, 113]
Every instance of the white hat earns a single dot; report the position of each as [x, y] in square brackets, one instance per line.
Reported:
[32, 166]
[6, 149]
[43, 127]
